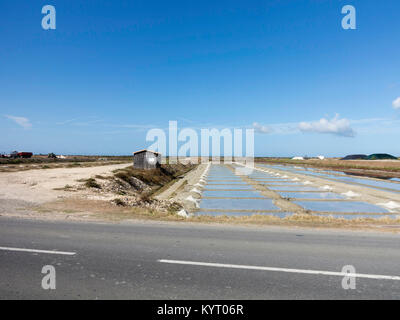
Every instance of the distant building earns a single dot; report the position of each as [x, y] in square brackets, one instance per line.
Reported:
[146, 159]
[297, 158]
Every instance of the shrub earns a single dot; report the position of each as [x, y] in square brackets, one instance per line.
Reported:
[145, 197]
[119, 202]
[91, 183]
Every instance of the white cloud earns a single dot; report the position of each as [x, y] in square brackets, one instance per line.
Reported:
[23, 122]
[261, 129]
[396, 103]
[336, 126]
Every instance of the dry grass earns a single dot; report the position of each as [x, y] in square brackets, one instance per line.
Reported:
[67, 187]
[119, 202]
[36, 159]
[82, 209]
[374, 168]
[155, 178]
[391, 165]
[32, 166]
[117, 211]
[92, 183]
[305, 220]
[98, 176]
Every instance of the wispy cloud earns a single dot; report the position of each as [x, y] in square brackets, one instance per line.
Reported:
[87, 123]
[368, 121]
[61, 123]
[79, 122]
[21, 121]
[102, 123]
[335, 126]
[396, 103]
[356, 126]
[378, 126]
[261, 129]
[133, 126]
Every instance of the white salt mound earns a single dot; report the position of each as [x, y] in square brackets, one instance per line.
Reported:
[350, 194]
[195, 190]
[390, 205]
[183, 213]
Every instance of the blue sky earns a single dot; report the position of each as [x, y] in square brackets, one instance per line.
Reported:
[112, 70]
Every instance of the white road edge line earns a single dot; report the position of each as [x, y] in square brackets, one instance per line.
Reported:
[38, 251]
[320, 272]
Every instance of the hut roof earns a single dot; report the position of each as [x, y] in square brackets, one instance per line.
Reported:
[145, 150]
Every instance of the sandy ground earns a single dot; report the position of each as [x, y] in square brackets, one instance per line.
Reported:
[37, 186]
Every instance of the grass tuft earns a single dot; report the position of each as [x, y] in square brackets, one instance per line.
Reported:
[119, 202]
[92, 183]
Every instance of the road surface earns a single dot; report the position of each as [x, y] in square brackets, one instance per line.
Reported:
[154, 260]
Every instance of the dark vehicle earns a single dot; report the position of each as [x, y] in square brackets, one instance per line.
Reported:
[16, 154]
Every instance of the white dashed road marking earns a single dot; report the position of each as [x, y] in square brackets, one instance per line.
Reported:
[304, 271]
[66, 253]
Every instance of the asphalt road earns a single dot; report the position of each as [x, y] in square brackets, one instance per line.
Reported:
[149, 260]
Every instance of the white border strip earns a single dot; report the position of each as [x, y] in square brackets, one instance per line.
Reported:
[66, 253]
[304, 271]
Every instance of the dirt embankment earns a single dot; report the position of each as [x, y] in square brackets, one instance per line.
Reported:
[188, 190]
